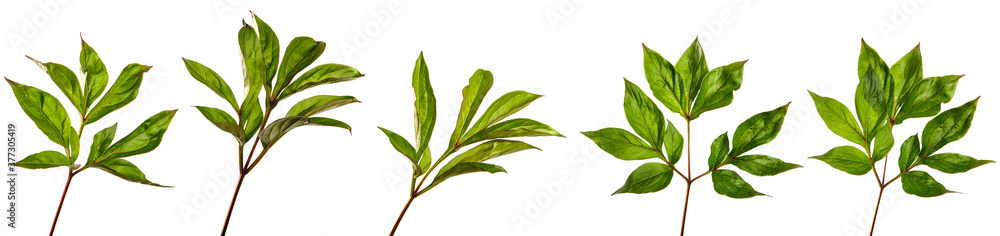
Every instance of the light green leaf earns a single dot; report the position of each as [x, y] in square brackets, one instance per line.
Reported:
[643, 115]
[122, 92]
[472, 96]
[67, 82]
[277, 129]
[486, 151]
[847, 159]
[674, 143]
[953, 162]
[402, 146]
[621, 144]
[318, 104]
[223, 121]
[692, 68]
[922, 184]
[838, 119]
[320, 75]
[465, 168]
[102, 140]
[926, 97]
[758, 130]
[94, 73]
[47, 114]
[270, 52]
[869, 58]
[905, 73]
[717, 88]
[42, 160]
[648, 178]
[212, 80]
[667, 85]
[512, 128]
[720, 150]
[254, 68]
[143, 139]
[947, 127]
[762, 165]
[909, 152]
[729, 183]
[299, 54]
[125, 170]
[251, 118]
[425, 105]
[323, 121]
[883, 142]
[506, 105]
[868, 118]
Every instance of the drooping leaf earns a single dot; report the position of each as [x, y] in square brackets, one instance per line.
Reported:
[277, 129]
[758, 130]
[674, 143]
[667, 85]
[300, 53]
[67, 82]
[125, 170]
[425, 105]
[94, 73]
[692, 67]
[643, 115]
[42, 160]
[953, 162]
[909, 152]
[729, 183]
[320, 75]
[506, 105]
[762, 165]
[926, 97]
[717, 88]
[224, 122]
[472, 96]
[479, 154]
[323, 121]
[947, 127]
[621, 144]
[847, 159]
[648, 178]
[402, 146]
[720, 151]
[122, 92]
[270, 52]
[883, 142]
[512, 128]
[465, 168]
[142, 139]
[212, 80]
[838, 119]
[319, 103]
[102, 140]
[46, 112]
[922, 184]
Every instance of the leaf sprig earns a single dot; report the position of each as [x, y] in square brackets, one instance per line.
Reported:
[261, 70]
[491, 131]
[885, 97]
[689, 89]
[53, 120]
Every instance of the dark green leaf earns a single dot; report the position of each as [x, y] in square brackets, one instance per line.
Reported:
[66, 80]
[905, 73]
[319, 103]
[94, 73]
[269, 50]
[621, 144]
[947, 127]
[512, 128]
[883, 142]
[125, 170]
[102, 140]
[674, 143]
[692, 67]
[320, 75]
[762, 165]
[122, 92]
[648, 178]
[729, 183]
[212, 80]
[925, 99]
[223, 121]
[922, 184]
[45, 159]
[869, 119]
[425, 105]
[643, 115]
[46, 112]
[720, 151]
[717, 88]
[758, 130]
[472, 96]
[667, 85]
[143, 139]
[506, 105]
[953, 162]
[838, 119]
[876, 91]
[847, 159]
[299, 54]
[869, 58]
[279, 128]
[909, 152]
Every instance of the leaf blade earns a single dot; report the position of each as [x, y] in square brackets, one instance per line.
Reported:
[647, 178]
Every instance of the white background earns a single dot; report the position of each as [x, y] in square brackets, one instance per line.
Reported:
[327, 181]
